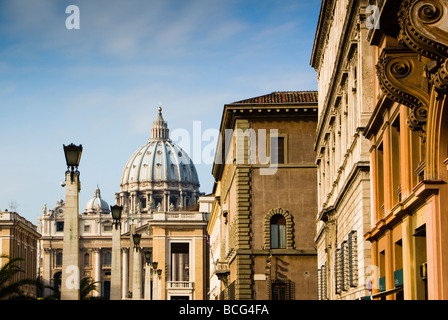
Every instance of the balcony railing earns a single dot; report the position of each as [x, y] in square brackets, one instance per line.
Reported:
[181, 285]
[178, 216]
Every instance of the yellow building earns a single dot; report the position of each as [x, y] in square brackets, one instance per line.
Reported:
[262, 222]
[408, 133]
[18, 239]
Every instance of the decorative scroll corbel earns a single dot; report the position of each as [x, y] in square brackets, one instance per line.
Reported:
[399, 73]
[424, 27]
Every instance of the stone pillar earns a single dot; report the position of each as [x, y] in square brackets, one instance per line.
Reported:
[47, 270]
[97, 259]
[131, 257]
[147, 281]
[125, 284]
[159, 287]
[115, 283]
[70, 257]
[155, 281]
[137, 276]
[409, 270]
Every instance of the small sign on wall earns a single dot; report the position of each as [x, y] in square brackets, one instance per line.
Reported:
[260, 277]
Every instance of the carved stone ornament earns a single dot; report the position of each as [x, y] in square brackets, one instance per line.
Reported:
[399, 73]
[439, 78]
[424, 27]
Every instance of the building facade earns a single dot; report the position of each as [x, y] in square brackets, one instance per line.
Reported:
[19, 239]
[159, 195]
[263, 216]
[408, 135]
[341, 57]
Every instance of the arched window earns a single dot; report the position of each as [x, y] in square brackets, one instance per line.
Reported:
[278, 232]
[278, 229]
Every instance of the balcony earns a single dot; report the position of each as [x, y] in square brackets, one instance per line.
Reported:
[222, 270]
[179, 216]
[187, 285]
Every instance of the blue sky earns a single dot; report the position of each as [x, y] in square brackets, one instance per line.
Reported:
[100, 85]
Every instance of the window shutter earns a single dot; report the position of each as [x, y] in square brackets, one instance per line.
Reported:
[345, 265]
[337, 271]
[319, 284]
[353, 258]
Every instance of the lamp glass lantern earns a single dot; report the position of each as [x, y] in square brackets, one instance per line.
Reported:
[72, 155]
[136, 237]
[116, 211]
[148, 257]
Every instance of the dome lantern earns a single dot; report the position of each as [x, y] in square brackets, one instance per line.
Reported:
[160, 128]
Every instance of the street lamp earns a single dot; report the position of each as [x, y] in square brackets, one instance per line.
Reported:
[136, 237]
[72, 155]
[70, 258]
[148, 257]
[116, 211]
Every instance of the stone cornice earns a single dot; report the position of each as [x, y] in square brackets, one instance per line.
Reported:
[344, 48]
[323, 25]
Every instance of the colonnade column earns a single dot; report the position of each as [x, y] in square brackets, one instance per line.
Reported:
[125, 274]
[97, 260]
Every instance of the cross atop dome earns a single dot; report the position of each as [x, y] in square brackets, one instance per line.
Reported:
[159, 127]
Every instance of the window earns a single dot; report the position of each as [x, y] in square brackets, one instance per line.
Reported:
[278, 229]
[86, 259]
[278, 154]
[59, 226]
[396, 167]
[59, 259]
[180, 262]
[108, 259]
[380, 184]
[278, 232]
[279, 291]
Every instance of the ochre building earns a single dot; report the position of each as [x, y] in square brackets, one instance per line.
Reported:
[263, 216]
